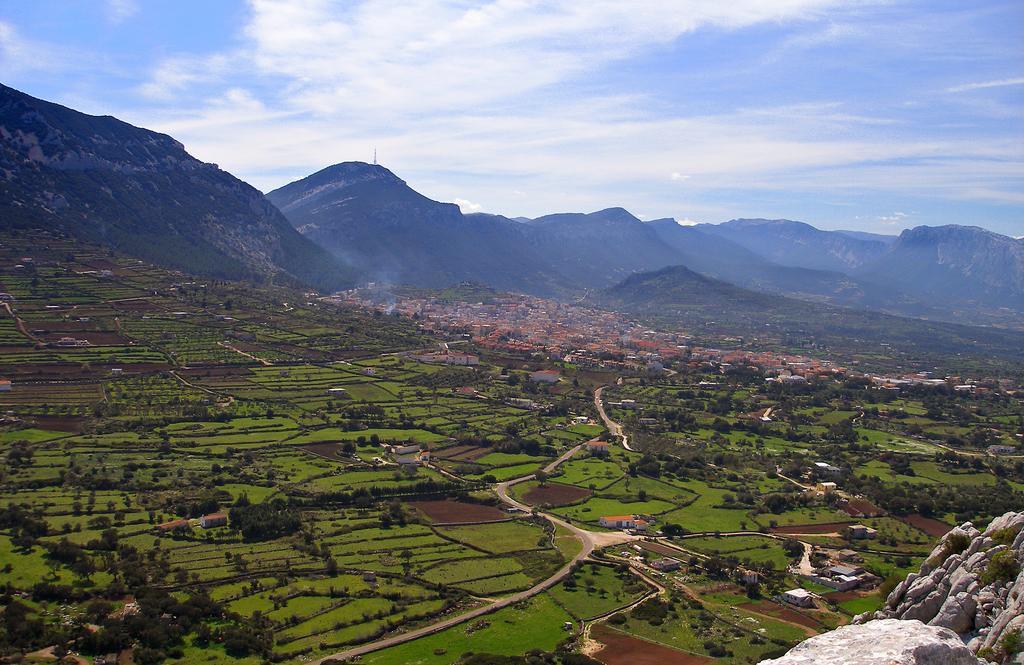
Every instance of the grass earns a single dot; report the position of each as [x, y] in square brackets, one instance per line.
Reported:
[498, 538]
[534, 624]
[596, 590]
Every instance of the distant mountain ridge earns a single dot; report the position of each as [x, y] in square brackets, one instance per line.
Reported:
[800, 245]
[139, 191]
[960, 263]
[371, 219]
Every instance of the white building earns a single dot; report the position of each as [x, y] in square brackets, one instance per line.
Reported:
[799, 597]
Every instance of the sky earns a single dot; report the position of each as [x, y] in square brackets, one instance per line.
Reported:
[868, 115]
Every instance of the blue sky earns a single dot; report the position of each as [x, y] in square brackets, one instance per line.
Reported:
[866, 115]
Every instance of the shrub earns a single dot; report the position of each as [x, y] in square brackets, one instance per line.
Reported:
[1002, 568]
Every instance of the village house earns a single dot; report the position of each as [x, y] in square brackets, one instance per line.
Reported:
[1000, 449]
[461, 359]
[860, 532]
[403, 448]
[623, 522]
[825, 488]
[173, 525]
[826, 468]
[5, 385]
[597, 447]
[213, 520]
[799, 597]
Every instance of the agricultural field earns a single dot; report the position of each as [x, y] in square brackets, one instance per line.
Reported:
[207, 471]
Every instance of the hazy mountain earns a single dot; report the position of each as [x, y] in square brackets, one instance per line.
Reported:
[679, 295]
[104, 180]
[600, 248]
[716, 256]
[864, 235]
[800, 245]
[951, 263]
[373, 220]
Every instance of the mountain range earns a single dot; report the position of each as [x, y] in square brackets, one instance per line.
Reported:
[374, 221]
[140, 191]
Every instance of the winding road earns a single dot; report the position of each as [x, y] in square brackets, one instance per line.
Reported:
[613, 427]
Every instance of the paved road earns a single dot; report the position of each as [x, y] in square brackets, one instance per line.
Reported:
[590, 540]
[613, 427]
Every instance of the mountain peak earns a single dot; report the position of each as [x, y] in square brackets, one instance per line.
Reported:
[352, 171]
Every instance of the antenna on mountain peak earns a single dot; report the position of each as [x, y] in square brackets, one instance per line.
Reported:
[375, 157]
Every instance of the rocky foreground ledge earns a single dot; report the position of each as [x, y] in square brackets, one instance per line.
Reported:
[965, 606]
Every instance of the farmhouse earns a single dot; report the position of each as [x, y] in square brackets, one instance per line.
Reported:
[799, 597]
[826, 468]
[403, 448]
[623, 522]
[545, 376]
[825, 488]
[337, 392]
[597, 447]
[666, 564]
[5, 385]
[173, 525]
[1000, 449]
[461, 359]
[627, 404]
[212, 520]
[859, 531]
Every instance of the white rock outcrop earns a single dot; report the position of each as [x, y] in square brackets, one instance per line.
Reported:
[949, 612]
[883, 642]
[949, 591]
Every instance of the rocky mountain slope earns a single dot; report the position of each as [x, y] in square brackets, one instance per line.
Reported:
[965, 605]
[370, 218]
[960, 263]
[140, 192]
[798, 244]
[972, 583]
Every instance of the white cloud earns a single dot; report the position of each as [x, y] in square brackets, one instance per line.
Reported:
[174, 75]
[468, 206]
[894, 218]
[487, 96]
[121, 10]
[998, 83]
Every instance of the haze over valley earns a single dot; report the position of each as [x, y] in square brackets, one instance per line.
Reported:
[494, 333]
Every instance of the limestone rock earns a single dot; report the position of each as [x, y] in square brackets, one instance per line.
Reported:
[885, 642]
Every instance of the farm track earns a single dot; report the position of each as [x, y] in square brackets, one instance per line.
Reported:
[590, 540]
